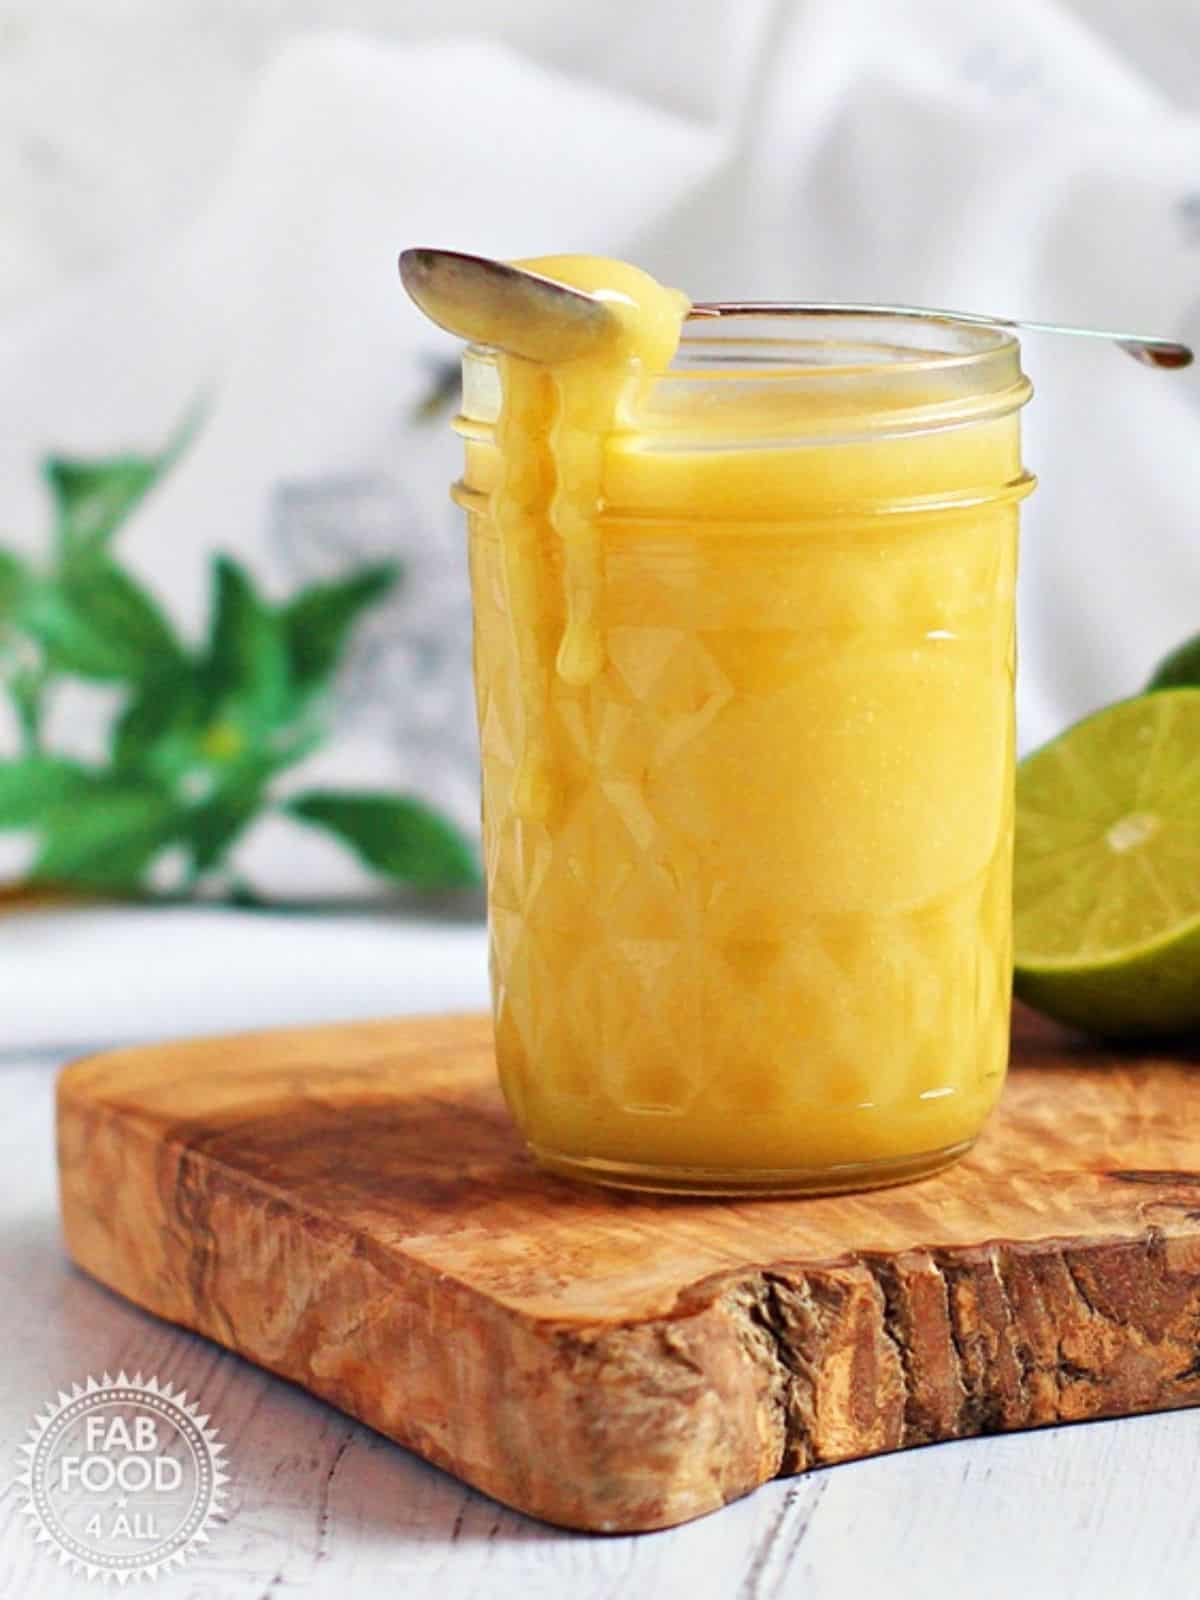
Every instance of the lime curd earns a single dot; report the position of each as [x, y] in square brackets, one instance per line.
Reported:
[744, 667]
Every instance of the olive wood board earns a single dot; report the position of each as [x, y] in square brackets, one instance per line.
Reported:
[351, 1208]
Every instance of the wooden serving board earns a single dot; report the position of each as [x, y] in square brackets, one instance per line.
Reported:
[350, 1207]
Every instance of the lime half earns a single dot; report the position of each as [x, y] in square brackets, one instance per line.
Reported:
[1107, 875]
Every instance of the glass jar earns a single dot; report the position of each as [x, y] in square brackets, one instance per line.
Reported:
[761, 941]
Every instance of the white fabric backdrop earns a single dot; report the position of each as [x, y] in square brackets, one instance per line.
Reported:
[999, 155]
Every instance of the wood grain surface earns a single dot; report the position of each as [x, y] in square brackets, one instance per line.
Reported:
[350, 1207]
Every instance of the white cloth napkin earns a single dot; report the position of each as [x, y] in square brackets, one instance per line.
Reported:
[999, 156]
[83, 979]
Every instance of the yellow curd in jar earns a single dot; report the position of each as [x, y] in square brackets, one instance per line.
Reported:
[744, 665]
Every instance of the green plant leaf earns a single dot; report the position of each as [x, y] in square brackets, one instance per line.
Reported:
[32, 785]
[1179, 670]
[318, 621]
[98, 622]
[159, 722]
[92, 498]
[214, 825]
[15, 578]
[106, 835]
[26, 688]
[398, 836]
[241, 795]
[247, 659]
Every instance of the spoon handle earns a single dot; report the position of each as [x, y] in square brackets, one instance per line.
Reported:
[1150, 350]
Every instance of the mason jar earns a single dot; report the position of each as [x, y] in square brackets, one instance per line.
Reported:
[759, 941]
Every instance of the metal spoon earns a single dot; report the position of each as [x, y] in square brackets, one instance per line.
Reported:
[546, 320]
[470, 295]
[1150, 350]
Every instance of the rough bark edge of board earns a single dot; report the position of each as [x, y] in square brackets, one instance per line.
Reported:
[758, 1372]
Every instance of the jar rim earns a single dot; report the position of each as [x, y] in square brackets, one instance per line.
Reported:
[836, 373]
[837, 341]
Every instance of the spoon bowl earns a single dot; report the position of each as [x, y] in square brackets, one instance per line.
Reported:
[472, 296]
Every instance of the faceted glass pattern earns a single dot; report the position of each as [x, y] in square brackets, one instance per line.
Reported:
[765, 932]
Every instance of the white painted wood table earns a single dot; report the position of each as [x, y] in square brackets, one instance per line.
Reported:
[321, 1507]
